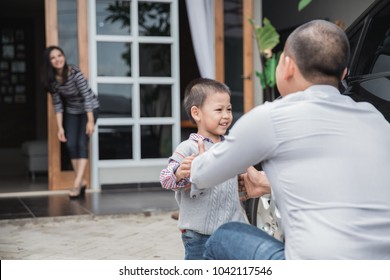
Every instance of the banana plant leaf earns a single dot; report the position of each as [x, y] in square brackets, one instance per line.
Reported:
[302, 4]
[267, 37]
[269, 71]
[261, 78]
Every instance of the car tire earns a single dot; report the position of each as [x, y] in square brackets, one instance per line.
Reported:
[262, 213]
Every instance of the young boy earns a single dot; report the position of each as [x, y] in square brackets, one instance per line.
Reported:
[207, 103]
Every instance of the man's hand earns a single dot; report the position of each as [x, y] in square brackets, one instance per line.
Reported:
[253, 183]
[185, 168]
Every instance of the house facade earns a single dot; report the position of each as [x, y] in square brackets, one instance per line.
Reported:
[138, 56]
[130, 51]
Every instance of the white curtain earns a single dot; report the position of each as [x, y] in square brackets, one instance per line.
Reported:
[201, 20]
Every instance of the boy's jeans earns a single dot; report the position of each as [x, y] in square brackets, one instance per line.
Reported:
[239, 241]
[194, 244]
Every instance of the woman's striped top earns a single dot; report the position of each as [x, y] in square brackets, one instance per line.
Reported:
[74, 96]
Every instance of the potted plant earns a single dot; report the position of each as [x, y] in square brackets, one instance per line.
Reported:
[267, 38]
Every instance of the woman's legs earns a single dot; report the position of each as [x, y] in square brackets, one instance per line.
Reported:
[77, 144]
[79, 166]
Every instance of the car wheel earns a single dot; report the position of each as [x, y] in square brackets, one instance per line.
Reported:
[262, 212]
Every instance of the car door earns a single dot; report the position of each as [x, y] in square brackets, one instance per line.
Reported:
[368, 77]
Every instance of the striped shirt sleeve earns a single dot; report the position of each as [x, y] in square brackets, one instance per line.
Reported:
[74, 96]
[86, 93]
[168, 178]
[57, 101]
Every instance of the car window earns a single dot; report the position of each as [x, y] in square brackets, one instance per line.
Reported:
[354, 40]
[374, 55]
[378, 87]
[368, 78]
[375, 91]
[382, 62]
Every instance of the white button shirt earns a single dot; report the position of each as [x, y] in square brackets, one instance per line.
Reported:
[328, 161]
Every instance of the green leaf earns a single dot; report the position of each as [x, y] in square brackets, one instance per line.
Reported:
[267, 37]
[261, 78]
[270, 69]
[302, 4]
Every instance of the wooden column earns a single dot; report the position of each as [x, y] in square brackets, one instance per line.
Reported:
[57, 178]
[54, 160]
[248, 86]
[82, 36]
[219, 41]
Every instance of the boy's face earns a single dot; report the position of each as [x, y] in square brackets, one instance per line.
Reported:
[215, 116]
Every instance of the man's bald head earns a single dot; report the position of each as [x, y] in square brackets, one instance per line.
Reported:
[321, 51]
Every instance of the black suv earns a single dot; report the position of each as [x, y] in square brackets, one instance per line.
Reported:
[368, 77]
[368, 80]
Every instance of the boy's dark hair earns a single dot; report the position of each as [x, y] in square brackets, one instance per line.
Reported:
[197, 90]
[320, 49]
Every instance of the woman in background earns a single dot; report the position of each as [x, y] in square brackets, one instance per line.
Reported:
[76, 108]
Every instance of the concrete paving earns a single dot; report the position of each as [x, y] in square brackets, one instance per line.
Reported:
[142, 236]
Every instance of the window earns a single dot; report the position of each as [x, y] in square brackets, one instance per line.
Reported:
[136, 78]
[374, 52]
[369, 78]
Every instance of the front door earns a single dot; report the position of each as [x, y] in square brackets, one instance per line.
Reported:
[66, 26]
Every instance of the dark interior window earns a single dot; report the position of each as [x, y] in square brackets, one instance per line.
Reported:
[376, 42]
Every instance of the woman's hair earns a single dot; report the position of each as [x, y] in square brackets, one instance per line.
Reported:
[48, 72]
[320, 49]
[197, 91]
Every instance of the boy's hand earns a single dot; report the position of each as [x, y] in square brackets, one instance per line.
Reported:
[184, 169]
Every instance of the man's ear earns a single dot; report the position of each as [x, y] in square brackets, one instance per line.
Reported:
[289, 68]
[344, 73]
[195, 113]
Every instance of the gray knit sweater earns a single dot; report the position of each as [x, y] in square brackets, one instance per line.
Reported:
[212, 207]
